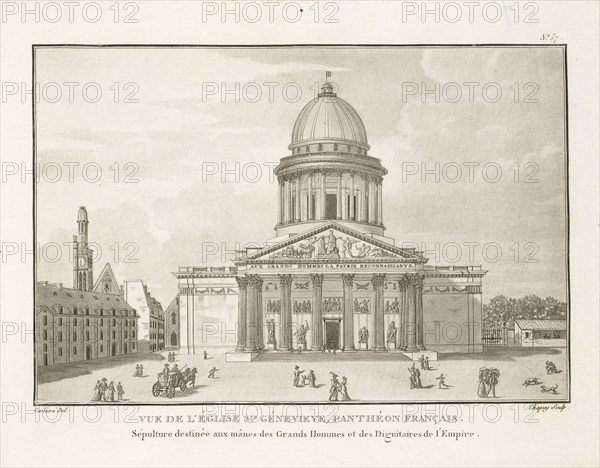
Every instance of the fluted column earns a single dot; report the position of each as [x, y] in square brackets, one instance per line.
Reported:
[371, 201]
[258, 284]
[297, 216]
[403, 286]
[323, 194]
[348, 280]
[379, 325]
[242, 304]
[309, 205]
[380, 201]
[288, 200]
[419, 311]
[250, 316]
[352, 209]
[317, 311]
[339, 196]
[363, 207]
[411, 330]
[285, 288]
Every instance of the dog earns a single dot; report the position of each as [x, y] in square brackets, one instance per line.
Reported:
[552, 390]
[531, 381]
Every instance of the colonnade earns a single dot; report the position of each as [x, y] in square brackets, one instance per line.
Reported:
[303, 196]
[409, 336]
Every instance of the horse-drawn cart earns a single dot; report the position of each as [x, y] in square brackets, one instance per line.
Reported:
[168, 382]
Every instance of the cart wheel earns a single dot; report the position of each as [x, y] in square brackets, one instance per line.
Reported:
[170, 391]
[156, 389]
[183, 386]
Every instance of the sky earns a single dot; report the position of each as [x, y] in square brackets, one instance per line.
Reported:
[156, 202]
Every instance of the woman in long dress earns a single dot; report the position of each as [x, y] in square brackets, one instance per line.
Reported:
[111, 392]
[97, 392]
[344, 390]
[335, 387]
[482, 390]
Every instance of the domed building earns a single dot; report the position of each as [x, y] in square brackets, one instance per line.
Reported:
[330, 279]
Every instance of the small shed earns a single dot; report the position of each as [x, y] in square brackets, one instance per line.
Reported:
[550, 333]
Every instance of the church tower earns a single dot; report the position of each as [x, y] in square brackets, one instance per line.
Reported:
[83, 278]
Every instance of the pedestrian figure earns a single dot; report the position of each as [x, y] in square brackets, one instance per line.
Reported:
[141, 371]
[137, 371]
[482, 390]
[335, 387]
[442, 384]
[97, 391]
[312, 379]
[344, 390]
[427, 364]
[120, 391]
[297, 375]
[422, 361]
[104, 388]
[205, 355]
[412, 376]
[111, 392]
[322, 349]
[193, 377]
[175, 369]
[211, 373]
[493, 378]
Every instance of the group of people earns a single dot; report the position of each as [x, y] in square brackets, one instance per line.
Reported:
[171, 356]
[424, 361]
[339, 389]
[488, 379]
[415, 377]
[104, 391]
[139, 371]
[301, 380]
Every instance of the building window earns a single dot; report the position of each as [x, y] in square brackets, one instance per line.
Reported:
[101, 311]
[132, 345]
[60, 309]
[114, 312]
[174, 318]
[87, 335]
[87, 321]
[87, 311]
[101, 322]
[75, 310]
[74, 321]
[45, 334]
[74, 336]
[125, 334]
[133, 334]
[125, 322]
[114, 322]
[60, 351]
[101, 348]
[101, 335]
[60, 321]
[60, 337]
[45, 320]
[114, 335]
[45, 348]
[74, 350]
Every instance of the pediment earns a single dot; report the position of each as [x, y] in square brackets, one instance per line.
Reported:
[333, 242]
[106, 282]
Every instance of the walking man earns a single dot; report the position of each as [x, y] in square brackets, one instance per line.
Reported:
[211, 373]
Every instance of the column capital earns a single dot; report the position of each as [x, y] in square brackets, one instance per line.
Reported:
[317, 279]
[378, 280]
[242, 281]
[285, 280]
[416, 280]
[348, 279]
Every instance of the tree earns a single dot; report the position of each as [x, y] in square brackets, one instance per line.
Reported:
[502, 311]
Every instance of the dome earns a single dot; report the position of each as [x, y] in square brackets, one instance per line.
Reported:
[82, 214]
[328, 117]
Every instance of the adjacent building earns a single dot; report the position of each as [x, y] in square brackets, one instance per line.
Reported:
[152, 319]
[172, 324]
[331, 277]
[549, 333]
[88, 321]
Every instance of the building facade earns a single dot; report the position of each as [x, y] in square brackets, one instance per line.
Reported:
[540, 333]
[172, 324]
[152, 319]
[331, 278]
[73, 325]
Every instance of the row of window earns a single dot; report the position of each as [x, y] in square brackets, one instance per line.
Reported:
[86, 311]
[59, 335]
[336, 147]
[60, 350]
[87, 321]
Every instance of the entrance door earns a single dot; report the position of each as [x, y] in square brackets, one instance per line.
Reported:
[88, 352]
[113, 351]
[331, 206]
[332, 335]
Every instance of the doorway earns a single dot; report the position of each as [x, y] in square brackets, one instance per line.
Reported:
[88, 352]
[332, 334]
[113, 350]
[331, 206]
